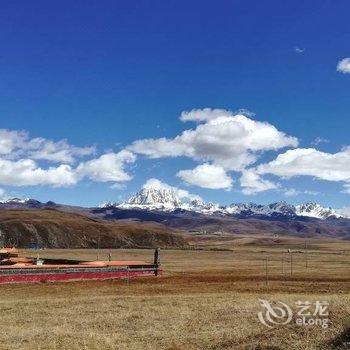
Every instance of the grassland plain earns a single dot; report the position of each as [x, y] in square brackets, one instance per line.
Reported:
[205, 300]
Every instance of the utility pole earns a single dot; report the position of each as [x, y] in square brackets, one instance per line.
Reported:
[282, 263]
[291, 262]
[266, 271]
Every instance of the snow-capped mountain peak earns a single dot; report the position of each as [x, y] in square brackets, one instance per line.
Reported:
[16, 200]
[282, 208]
[155, 196]
[167, 199]
[315, 210]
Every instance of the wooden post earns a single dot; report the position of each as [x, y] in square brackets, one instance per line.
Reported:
[291, 263]
[282, 263]
[156, 261]
[266, 271]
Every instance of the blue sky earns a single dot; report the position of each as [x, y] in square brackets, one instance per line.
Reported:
[104, 74]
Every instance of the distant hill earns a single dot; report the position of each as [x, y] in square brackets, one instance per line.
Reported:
[216, 223]
[56, 229]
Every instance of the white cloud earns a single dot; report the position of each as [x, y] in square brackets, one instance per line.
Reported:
[344, 211]
[118, 186]
[252, 183]
[291, 192]
[310, 162]
[207, 176]
[60, 151]
[3, 195]
[19, 156]
[346, 188]
[227, 140]
[108, 167]
[9, 140]
[204, 115]
[319, 140]
[298, 49]
[17, 144]
[26, 172]
[312, 193]
[344, 66]
[181, 194]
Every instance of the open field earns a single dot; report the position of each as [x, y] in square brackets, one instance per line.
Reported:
[205, 300]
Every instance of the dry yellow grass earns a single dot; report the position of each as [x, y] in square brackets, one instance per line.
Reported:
[205, 300]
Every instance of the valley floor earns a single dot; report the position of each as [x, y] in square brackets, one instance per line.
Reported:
[205, 300]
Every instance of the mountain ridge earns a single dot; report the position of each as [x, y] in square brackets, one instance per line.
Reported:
[167, 200]
[197, 216]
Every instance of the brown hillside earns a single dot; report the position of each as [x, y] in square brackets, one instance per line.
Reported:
[56, 229]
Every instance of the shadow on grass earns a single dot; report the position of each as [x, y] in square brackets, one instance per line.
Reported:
[342, 341]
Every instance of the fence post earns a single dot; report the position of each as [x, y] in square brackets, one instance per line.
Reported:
[156, 261]
[266, 271]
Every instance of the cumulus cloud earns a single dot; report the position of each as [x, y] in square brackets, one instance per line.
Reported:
[207, 176]
[311, 162]
[9, 140]
[22, 158]
[344, 66]
[26, 172]
[180, 193]
[221, 137]
[61, 151]
[108, 167]
[204, 115]
[17, 144]
[252, 183]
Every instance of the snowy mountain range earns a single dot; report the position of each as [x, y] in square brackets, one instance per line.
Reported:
[166, 199]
